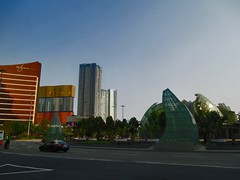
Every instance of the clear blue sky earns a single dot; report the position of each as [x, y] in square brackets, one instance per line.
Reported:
[143, 46]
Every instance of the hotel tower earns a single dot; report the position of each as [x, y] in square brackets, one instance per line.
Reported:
[18, 91]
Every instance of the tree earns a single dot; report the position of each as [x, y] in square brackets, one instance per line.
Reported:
[99, 127]
[67, 132]
[42, 128]
[121, 128]
[110, 127]
[78, 129]
[18, 128]
[133, 128]
[156, 124]
[214, 125]
[201, 120]
[7, 127]
[153, 124]
[209, 122]
[87, 126]
[125, 132]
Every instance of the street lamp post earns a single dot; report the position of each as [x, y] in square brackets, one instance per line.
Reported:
[122, 111]
[30, 113]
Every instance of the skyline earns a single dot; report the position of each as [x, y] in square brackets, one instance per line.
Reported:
[143, 47]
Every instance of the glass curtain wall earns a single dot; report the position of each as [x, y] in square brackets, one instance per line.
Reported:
[180, 124]
[63, 104]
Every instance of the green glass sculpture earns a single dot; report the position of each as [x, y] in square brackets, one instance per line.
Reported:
[55, 130]
[180, 124]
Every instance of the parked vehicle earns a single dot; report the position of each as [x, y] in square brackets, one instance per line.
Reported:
[1, 136]
[55, 146]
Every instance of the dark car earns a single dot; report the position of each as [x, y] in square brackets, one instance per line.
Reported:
[55, 146]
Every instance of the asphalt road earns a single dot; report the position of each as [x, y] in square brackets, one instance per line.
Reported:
[82, 163]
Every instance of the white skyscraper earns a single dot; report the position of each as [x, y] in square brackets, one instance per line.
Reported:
[104, 104]
[108, 104]
[112, 99]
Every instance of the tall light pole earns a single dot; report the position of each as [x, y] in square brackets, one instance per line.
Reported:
[30, 113]
[122, 111]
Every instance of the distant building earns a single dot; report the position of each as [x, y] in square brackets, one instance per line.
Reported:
[112, 108]
[53, 99]
[108, 105]
[71, 120]
[205, 104]
[89, 90]
[229, 115]
[104, 104]
[224, 106]
[18, 91]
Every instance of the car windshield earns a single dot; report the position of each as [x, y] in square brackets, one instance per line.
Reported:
[55, 142]
[61, 142]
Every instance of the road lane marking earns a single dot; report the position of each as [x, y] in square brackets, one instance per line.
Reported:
[125, 154]
[139, 162]
[31, 169]
[190, 165]
[190, 156]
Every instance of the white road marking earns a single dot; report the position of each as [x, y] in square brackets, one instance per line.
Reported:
[190, 156]
[125, 154]
[191, 165]
[139, 162]
[32, 169]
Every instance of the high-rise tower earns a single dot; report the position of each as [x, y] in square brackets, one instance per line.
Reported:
[112, 108]
[108, 104]
[89, 90]
[18, 91]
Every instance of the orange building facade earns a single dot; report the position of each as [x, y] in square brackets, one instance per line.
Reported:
[55, 99]
[18, 91]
